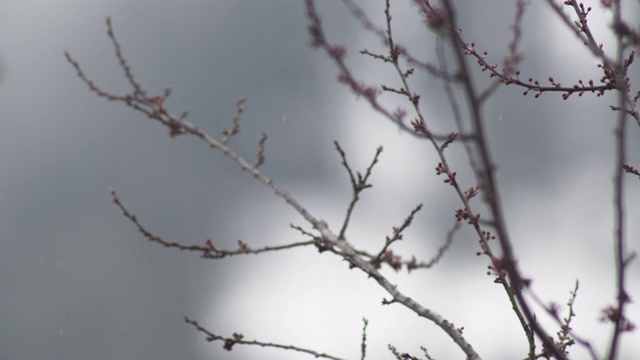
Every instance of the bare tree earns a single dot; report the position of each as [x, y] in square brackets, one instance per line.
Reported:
[480, 206]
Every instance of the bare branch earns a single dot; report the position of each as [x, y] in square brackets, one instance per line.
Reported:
[237, 338]
[485, 176]
[206, 250]
[615, 70]
[154, 109]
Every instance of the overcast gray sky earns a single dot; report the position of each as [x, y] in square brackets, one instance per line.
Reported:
[79, 282]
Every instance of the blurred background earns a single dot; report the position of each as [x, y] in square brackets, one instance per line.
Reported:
[77, 280]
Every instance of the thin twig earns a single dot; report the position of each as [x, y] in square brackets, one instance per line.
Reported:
[357, 186]
[397, 235]
[235, 122]
[363, 344]
[206, 250]
[237, 338]
[566, 335]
